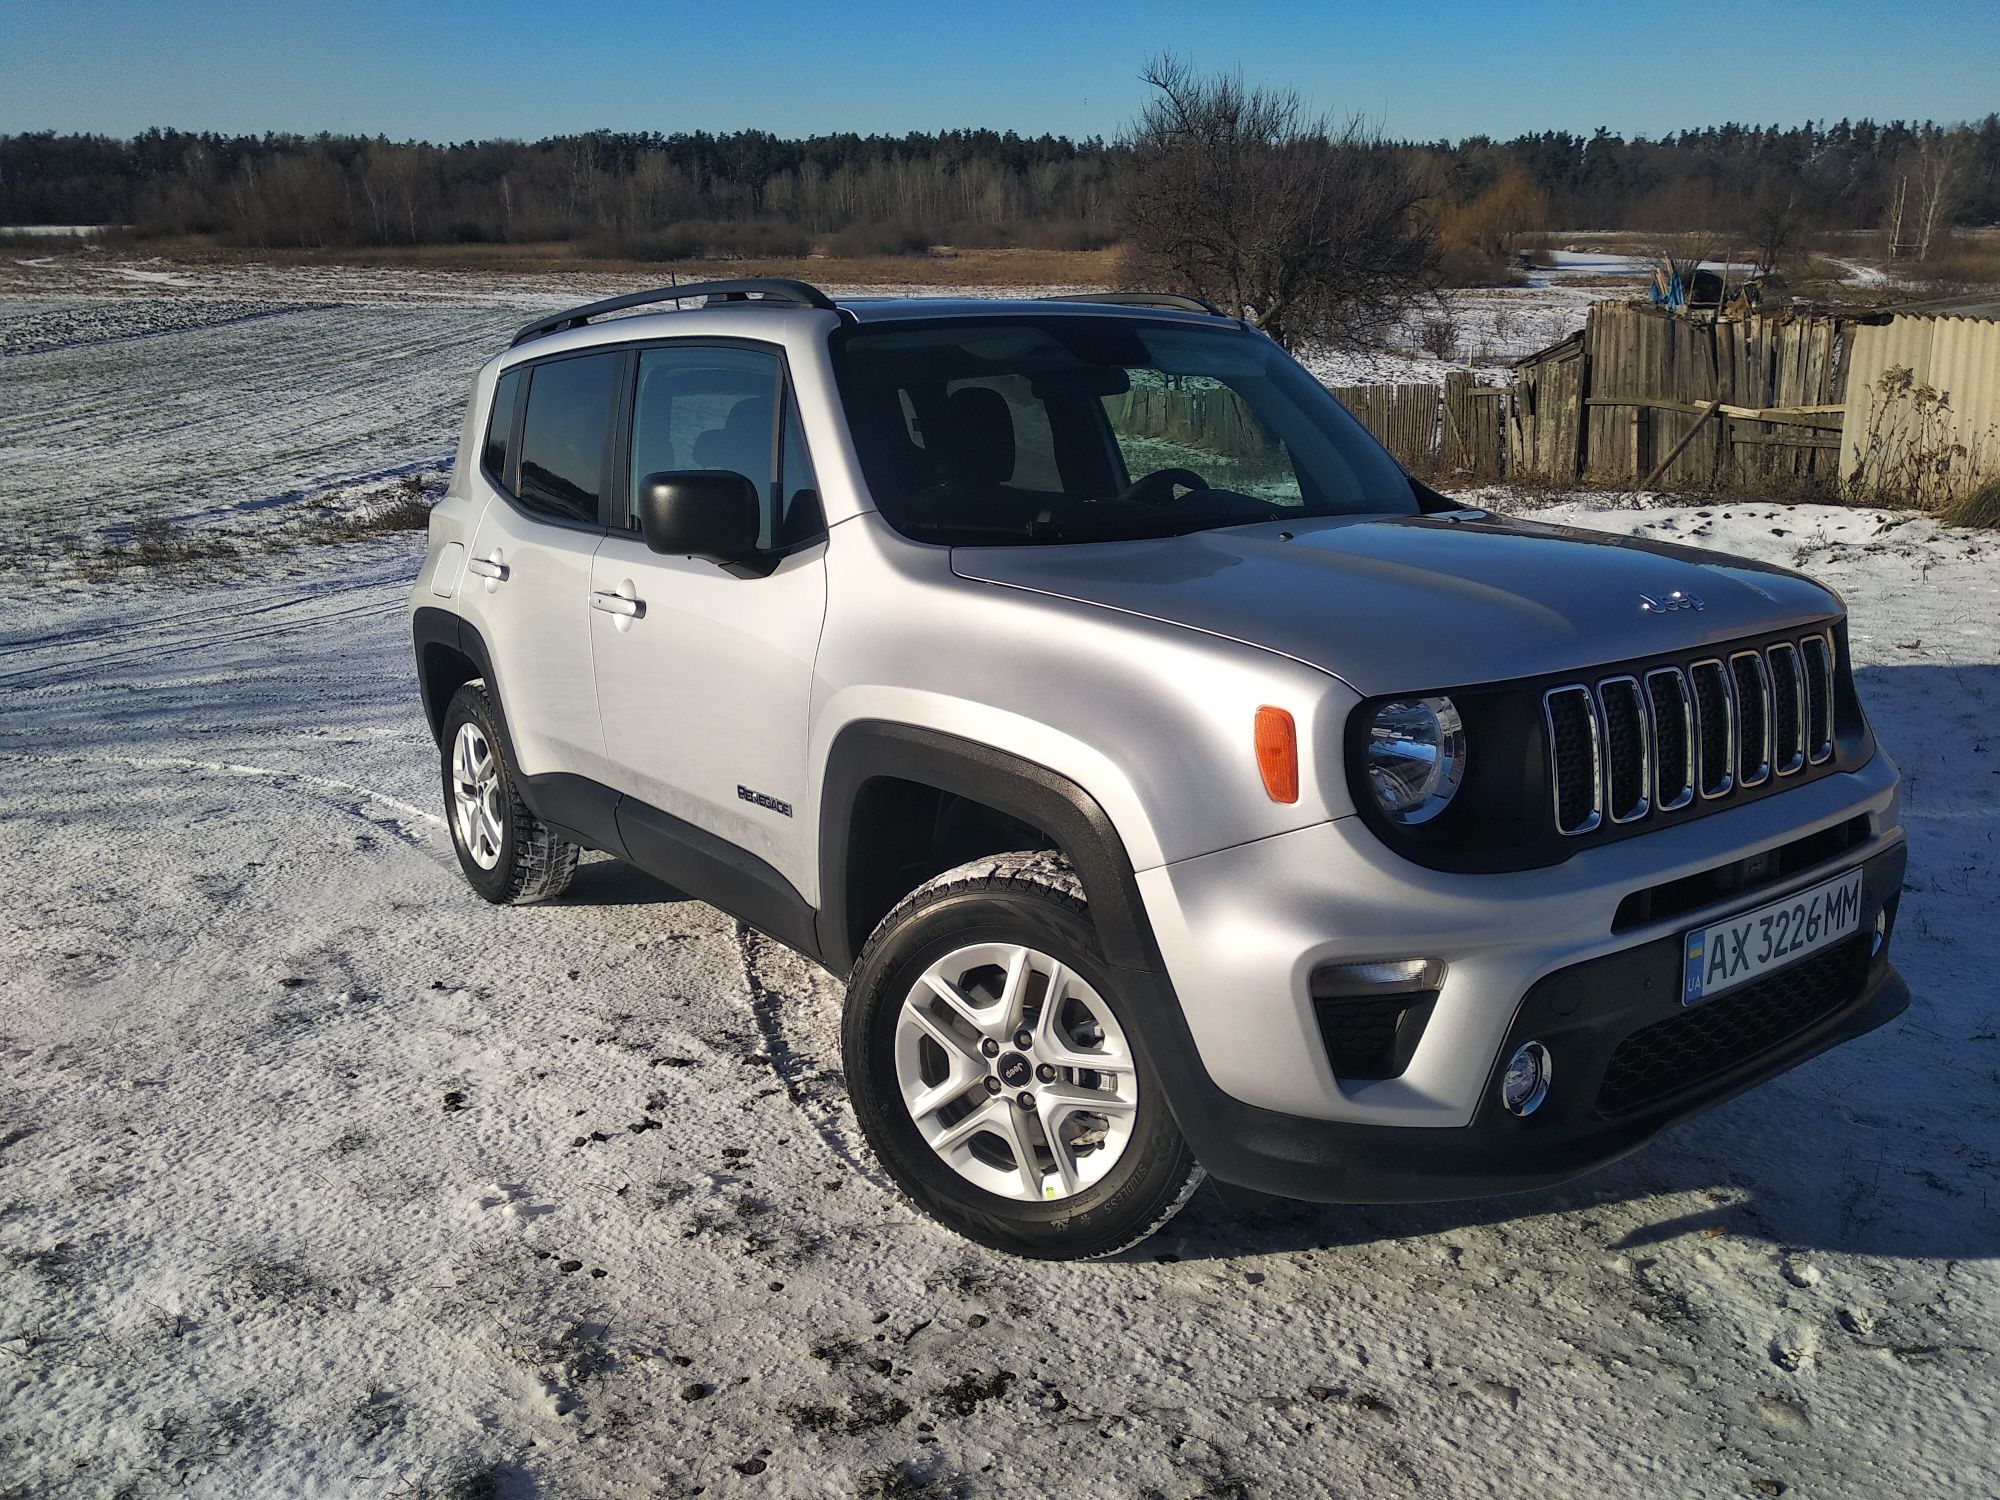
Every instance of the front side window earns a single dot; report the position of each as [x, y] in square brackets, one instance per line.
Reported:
[1068, 429]
[699, 407]
[563, 435]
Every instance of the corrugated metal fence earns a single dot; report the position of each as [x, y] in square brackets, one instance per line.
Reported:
[1923, 408]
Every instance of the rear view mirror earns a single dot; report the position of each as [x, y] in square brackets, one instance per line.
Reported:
[1081, 380]
[711, 513]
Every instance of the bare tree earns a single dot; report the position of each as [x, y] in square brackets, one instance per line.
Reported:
[1773, 215]
[1310, 230]
[1938, 179]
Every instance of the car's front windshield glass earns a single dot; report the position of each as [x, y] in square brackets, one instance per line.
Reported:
[1071, 428]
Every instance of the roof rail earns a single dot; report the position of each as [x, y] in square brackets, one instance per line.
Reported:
[1173, 300]
[757, 288]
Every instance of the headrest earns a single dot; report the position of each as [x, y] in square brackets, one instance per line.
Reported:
[742, 442]
[979, 448]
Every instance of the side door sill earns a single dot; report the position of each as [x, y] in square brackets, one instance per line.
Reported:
[692, 860]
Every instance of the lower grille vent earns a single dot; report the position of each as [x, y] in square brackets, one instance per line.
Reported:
[1733, 1028]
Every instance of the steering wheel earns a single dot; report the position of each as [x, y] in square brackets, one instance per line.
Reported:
[1158, 487]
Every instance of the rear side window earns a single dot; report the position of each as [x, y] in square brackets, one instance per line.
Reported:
[500, 429]
[563, 435]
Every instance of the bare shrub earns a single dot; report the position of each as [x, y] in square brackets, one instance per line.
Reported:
[701, 239]
[1438, 336]
[1311, 229]
[882, 237]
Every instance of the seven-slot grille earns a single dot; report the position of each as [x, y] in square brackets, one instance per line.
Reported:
[1626, 746]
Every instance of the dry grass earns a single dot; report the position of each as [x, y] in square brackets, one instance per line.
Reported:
[943, 267]
[1980, 508]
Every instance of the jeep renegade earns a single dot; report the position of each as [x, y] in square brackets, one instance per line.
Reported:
[1175, 782]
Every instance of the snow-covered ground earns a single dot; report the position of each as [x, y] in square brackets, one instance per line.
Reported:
[318, 1176]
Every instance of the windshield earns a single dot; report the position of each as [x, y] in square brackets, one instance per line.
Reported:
[1070, 429]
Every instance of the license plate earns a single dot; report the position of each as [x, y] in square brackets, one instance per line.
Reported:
[1740, 948]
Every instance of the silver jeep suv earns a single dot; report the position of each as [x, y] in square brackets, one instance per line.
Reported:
[1175, 782]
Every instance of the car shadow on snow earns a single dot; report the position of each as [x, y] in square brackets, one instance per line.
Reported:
[604, 881]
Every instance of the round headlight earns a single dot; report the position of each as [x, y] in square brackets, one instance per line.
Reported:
[1416, 757]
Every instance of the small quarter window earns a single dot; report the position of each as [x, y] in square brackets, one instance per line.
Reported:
[500, 429]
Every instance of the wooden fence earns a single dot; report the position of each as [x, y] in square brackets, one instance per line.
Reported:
[1460, 429]
[1682, 401]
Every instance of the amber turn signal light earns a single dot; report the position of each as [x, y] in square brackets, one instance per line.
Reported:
[1278, 753]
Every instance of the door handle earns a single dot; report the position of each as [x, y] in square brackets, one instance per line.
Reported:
[618, 604]
[486, 567]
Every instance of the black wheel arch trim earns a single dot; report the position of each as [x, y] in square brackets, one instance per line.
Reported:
[874, 749]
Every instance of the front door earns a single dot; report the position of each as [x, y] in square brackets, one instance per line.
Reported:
[704, 675]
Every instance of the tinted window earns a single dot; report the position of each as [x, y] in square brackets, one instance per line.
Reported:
[562, 436]
[800, 517]
[500, 427]
[699, 408]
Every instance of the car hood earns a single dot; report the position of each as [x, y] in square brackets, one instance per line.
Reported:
[1421, 603]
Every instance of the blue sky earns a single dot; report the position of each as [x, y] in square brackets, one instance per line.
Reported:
[460, 69]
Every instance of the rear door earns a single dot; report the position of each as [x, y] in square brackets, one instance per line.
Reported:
[704, 674]
[528, 580]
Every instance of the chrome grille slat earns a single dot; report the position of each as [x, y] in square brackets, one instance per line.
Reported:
[1576, 782]
[1818, 651]
[1628, 755]
[1715, 728]
[1672, 709]
[1635, 744]
[1788, 708]
[1752, 681]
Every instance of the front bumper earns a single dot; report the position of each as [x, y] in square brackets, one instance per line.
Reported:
[1538, 955]
[1602, 1104]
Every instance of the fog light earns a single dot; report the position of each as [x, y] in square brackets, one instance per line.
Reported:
[1881, 934]
[1526, 1082]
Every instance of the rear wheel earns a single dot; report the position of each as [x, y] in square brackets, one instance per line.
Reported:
[991, 1064]
[508, 854]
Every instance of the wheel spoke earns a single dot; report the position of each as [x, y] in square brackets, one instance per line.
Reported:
[1053, 1045]
[1014, 994]
[489, 826]
[980, 1119]
[1053, 1113]
[1066, 1098]
[1023, 1146]
[960, 1004]
[938, 1095]
[955, 1046]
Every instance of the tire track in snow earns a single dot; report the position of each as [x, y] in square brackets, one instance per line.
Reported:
[57, 673]
[233, 768]
[820, 1102]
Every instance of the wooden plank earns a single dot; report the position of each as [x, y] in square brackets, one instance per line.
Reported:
[1675, 451]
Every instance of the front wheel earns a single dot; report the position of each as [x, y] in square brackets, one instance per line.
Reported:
[990, 1060]
[509, 855]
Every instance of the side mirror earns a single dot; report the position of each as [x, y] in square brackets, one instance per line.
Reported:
[711, 513]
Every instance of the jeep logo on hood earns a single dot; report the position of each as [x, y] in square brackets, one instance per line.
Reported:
[1666, 604]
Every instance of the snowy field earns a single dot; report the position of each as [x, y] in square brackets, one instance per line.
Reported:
[320, 1177]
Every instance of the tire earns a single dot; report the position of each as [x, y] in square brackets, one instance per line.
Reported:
[508, 854]
[938, 1076]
